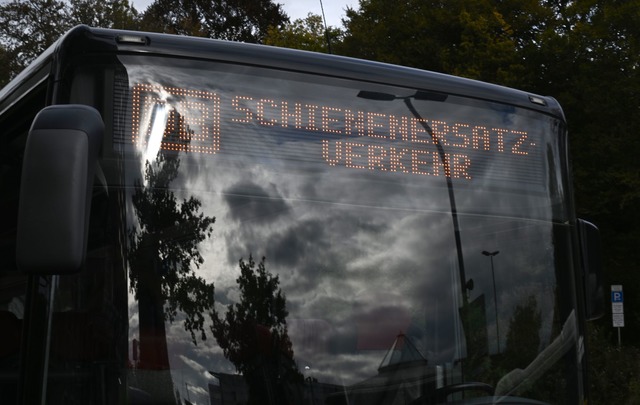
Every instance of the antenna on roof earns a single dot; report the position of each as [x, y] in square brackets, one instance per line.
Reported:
[326, 30]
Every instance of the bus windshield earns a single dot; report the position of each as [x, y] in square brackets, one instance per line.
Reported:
[295, 238]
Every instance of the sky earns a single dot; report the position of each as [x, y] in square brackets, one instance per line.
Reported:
[334, 9]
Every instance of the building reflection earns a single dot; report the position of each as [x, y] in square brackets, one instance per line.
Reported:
[403, 376]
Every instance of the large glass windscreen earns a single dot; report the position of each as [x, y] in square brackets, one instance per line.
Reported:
[293, 238]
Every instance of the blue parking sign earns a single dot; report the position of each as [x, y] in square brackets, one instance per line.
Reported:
[617, 308]
[616, 293]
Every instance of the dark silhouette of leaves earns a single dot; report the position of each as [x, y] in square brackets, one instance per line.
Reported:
[236, 20]
[253, 335]
[523, 337]
[164, 248]
[29, 27]
[308, 34]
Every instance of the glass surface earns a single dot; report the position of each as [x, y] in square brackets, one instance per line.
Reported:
[13, 283]
[300, 239]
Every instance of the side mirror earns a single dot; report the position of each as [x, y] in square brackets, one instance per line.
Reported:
[591, 263]
[55, 192]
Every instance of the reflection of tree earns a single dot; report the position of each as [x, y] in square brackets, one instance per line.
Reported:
[523, 347]
[163, 250]
[523, 338]
[475, 329]
[253, 335]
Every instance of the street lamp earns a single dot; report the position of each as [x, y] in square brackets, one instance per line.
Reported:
[495, 298]
[465, 285]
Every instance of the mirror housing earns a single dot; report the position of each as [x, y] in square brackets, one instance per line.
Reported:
[591, 264]
[56, 186]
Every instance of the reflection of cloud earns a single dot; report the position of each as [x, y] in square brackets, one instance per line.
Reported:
[134, 319]
[361, 256]
[252, 204]
[198, 367]
[346, 369]
[339, 264]
[289, 249]
[190, 364]
[351, 263]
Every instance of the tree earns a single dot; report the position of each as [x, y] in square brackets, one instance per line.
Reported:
[163, 251]
[253, 336]
[235, 20]
[608, 365]
[6, 69]
[465, 38]
[104, 14]
[162, 255]
[523, 347]
[523, 337]
[588, 58]
[28, 27]
[307, 34]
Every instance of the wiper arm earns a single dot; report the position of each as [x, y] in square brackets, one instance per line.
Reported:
[519, 379]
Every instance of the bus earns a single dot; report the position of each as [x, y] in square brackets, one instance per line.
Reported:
[194, 221]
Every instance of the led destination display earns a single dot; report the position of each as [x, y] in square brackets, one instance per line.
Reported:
[332, 132]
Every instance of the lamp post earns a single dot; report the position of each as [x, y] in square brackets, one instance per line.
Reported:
[495, 297]
[465, 285]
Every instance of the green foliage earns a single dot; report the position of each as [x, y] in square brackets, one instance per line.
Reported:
[6, 65]
[235, 20]
[28, 27]
[466, 38]
[105, 14]
[614, 373]
[590, 59]
[307, 34]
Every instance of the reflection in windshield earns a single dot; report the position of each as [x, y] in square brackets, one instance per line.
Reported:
[253, 335]
[378, 307]
[163, 259]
